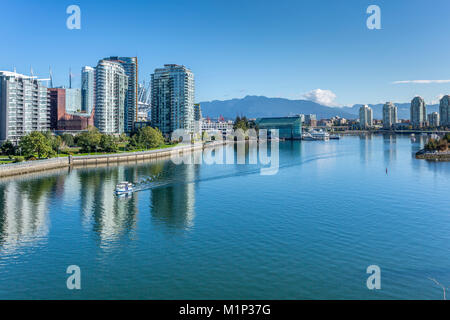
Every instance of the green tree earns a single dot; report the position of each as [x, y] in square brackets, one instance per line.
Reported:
[241, 123]
[147, 138]
[108, 143]
[68, 139]
[8, 149]
[55, 141]
[447, 137]
[36, 143]
[124, 138]
[89, 140]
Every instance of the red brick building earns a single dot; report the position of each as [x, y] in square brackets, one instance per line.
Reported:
[60, 119]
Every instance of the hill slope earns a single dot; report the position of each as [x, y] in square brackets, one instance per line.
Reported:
[260, 106]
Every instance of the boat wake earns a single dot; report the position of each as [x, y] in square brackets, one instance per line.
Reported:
[158, 181]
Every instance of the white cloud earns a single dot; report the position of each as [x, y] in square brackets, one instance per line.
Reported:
[420, 81]
[437, 99]
[324, 97]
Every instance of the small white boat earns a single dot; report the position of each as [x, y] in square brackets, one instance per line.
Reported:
[307, 136]
[334, 137]
[124, 188]
[320, 135]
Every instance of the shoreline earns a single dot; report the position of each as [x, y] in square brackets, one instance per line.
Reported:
[436, 156]
[21, 168]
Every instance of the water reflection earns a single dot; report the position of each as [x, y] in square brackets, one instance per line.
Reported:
[365, 142]
[23, 211]
[109, 216]
[390, 149]
[173, 205]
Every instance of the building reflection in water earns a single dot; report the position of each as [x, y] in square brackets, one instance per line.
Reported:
[365, 141]
[390, 148]
[173, 203]
[23, 211]
[109, 216]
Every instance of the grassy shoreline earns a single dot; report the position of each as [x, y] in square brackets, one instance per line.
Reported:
[4, 159]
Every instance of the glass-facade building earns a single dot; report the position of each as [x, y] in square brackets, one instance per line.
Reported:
[390, 117]
[87, 89]
[444, 111]
[418, 112]
[130, 66]
[288, 127]
[110, 96]
[434, 119]
[23, 106]
[173, 98]
[73, 100]
[365, 116]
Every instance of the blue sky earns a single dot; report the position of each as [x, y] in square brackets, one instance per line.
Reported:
[282, 48]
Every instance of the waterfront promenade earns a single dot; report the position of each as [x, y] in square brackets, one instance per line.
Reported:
[12, 169]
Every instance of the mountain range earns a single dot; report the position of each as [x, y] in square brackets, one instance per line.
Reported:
[260, 106]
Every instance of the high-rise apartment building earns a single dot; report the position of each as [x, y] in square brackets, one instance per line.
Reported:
[365, 116]
[444, 111]
[110, 97]
[390, 112]
[130, 65]
[73, 100]
[197, 112]
[87, 89]
[23, 106]
[434, 119]
[418, 112]
[173, 98]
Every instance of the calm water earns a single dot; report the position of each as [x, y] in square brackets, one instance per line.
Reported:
[225, 231]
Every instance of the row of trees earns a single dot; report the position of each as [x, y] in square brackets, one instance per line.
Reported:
[34, 144]
[442, 144]
[45, 144]
[244, 124]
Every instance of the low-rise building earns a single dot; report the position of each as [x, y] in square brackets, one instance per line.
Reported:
[310, 120]
[63, 119]
[226, 127]
[288, 127]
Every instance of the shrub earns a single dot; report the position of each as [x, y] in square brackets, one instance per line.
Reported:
[8, 149]
[18, 159]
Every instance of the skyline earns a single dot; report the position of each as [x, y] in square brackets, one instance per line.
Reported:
[289, 50]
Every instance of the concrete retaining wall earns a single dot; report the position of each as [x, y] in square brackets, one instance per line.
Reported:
[40, 165]
[11, 169]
